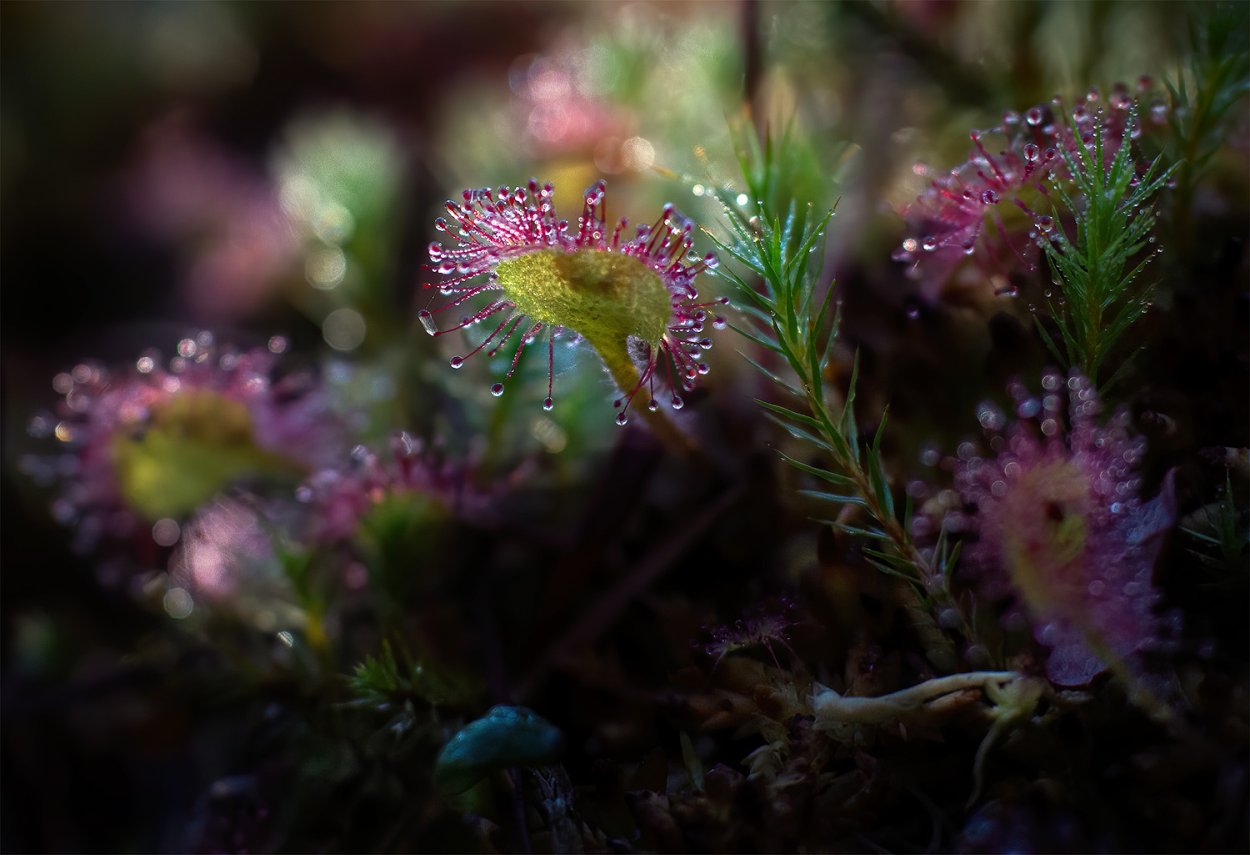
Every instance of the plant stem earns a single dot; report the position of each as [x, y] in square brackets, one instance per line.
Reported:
[938, 646]
[625, 374]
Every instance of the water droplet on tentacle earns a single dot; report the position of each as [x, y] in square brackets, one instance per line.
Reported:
[426, 317]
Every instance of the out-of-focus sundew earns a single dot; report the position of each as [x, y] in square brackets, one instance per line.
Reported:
[369, 568]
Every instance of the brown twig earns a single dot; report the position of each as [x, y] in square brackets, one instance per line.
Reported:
[603, 613]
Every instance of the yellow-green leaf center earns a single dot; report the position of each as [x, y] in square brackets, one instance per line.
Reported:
[605, 296]
[1044, 534]
[194, 445]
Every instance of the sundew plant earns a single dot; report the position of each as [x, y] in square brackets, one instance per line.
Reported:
[816, 427]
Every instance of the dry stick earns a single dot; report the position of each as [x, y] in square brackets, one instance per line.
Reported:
[614, 601]
[753, 64]
[608, 510]
[832, 708]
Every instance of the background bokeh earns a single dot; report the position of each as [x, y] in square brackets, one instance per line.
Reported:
[262, 169]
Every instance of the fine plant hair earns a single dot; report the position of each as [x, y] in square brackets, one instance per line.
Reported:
[1097, 269]
[792, 313]
[392, 677]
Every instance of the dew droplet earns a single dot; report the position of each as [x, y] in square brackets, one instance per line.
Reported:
[40, 426]
[456, 361]
[621, 418]
[497, 389]
[678, 403]
[426, 317]
[549, 405]
[166, 532]
[1029, 408]
[990, 417]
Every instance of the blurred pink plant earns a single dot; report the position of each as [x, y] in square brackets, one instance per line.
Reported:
[766, 624]
[340, 497]
[239, 245]
[559, 105]
[1060, 527]
[159, 439]
[994, 207]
